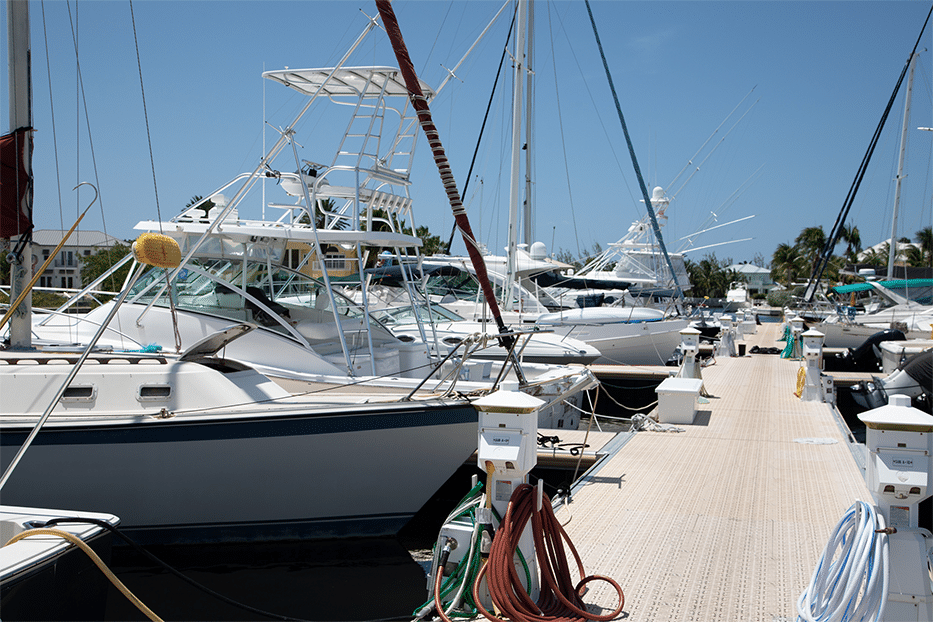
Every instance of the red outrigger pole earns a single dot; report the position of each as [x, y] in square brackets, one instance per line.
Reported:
[420, 104]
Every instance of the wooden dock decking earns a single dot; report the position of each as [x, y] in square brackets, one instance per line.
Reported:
[726, 520]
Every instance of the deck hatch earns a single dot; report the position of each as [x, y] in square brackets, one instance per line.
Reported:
[80, 393]
[154, 392]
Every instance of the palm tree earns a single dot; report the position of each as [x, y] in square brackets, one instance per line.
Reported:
[850, 235]
[877, 256]
[914, 256]
[787, 264]
[924, 238]
[811, 242]
[709, 276]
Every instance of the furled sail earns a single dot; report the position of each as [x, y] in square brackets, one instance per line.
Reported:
[15, 183]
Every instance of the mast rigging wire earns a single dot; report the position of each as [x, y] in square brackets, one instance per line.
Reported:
[836, 231]
[678, 292]
[450, 240]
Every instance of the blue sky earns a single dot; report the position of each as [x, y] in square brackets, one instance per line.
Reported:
[811, 79]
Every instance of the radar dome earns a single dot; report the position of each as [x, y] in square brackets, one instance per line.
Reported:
[538, 251]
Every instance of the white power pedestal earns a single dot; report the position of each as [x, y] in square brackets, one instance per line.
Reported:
[900, 476]
[507, 452]
[796, 330]
[812, 347]
[690, 347]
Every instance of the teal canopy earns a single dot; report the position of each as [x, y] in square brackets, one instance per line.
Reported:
[892, 284]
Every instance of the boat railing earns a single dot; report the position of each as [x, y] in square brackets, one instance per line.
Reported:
[90, 287]
[50, 356]
[188, 215]
[472, 344]
[363, 199]
[81, 319]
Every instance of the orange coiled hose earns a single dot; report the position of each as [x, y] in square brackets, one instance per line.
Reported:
[560, 600]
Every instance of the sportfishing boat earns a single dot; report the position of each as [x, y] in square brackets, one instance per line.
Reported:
[306, 395]
[285, 275]
[448, 331]
[631, 334]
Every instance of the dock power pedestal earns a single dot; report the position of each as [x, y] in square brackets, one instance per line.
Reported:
[900, 476]
[507, 445]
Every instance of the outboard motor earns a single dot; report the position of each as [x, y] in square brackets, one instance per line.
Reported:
[914, 378]
[676, 359]
[867, 357]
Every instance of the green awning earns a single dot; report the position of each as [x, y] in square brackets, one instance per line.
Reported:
[892, 284]
[855, 287]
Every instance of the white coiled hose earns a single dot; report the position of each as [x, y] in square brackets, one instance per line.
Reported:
[851, 579]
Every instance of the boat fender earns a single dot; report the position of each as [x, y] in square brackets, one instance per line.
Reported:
[157, 250]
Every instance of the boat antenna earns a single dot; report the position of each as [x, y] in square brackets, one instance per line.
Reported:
[420, 104]
[836, 231]
[678, 293]
[482, 129]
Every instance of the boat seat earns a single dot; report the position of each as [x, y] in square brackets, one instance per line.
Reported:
[261, 315]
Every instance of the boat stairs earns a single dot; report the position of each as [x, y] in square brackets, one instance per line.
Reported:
[726, 518]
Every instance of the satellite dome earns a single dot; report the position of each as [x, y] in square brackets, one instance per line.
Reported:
[538, 251]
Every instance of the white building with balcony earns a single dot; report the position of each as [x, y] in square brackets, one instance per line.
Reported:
[757, 279]
[65, 270]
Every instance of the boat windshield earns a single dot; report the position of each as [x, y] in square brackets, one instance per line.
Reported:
[406, 315]
[215, 286]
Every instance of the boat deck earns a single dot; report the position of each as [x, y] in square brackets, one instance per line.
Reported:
[725, 520]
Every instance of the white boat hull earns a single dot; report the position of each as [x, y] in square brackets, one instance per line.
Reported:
[215, 461]
[638, 343]
[840, 335]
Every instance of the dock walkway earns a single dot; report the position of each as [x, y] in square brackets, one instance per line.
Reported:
[726, 520]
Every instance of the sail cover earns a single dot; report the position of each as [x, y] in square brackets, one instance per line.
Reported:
[14, 184]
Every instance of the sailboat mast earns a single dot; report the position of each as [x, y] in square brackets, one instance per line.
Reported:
[527, 219]
[892, 247]
[20, 88]
[518, 61]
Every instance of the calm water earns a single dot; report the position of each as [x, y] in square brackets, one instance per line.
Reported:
[361, 579]
[353, 580]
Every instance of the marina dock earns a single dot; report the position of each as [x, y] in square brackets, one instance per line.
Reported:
[726, 519]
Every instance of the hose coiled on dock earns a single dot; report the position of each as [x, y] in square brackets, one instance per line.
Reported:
[560, 600]
[851, 579]
[451, 595]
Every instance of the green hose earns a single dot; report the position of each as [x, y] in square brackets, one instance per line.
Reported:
[469, 565]
[786, 335]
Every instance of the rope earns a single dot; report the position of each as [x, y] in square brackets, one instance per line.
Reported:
[559, 600]
[174, 571]
[621, 405]
[646, 423]
[94, 558]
